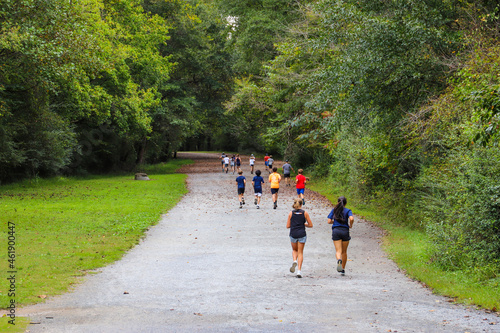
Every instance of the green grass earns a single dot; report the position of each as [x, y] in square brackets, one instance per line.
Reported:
[409, 248]
[65, 227]
[20, 324]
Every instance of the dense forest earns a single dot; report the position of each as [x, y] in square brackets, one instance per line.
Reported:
[396, 102]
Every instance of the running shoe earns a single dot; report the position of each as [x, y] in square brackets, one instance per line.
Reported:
[339, 266]
[299, 274]
[241, 205]
[303, 201]
[258, 207]
[243, 200]
[342, 273]
[255, 202]
[275, 205]
[292, 269]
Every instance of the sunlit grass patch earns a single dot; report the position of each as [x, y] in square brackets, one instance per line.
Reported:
[20, 324]
[67, 226]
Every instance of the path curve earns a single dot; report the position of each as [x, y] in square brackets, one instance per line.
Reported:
[209, 266]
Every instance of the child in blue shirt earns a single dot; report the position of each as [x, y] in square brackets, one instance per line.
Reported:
[341, 219]
[241, 181]
[257, 182]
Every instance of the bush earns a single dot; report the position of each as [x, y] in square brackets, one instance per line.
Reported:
[460, 205]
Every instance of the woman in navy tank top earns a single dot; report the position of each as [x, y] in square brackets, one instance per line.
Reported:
[298, 221]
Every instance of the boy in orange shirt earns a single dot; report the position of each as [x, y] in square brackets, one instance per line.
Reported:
[275, 179]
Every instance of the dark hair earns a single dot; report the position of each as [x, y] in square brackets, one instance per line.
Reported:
[257, 172]
[338, 210]
[275, 169]
[240, 172]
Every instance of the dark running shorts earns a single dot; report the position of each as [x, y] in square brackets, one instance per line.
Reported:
[274, 190]
[341, 233]
[286, 175]
[241, 190]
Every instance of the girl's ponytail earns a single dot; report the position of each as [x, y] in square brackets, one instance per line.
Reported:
[338, 210]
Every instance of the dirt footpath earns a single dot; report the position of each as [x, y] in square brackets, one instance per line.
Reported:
[209, 266]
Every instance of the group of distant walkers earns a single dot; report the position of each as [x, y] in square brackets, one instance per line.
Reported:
[298, 220]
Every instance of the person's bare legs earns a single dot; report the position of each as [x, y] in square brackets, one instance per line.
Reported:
[295, 251]
[300, 254]
[341, 251]
[344, 253]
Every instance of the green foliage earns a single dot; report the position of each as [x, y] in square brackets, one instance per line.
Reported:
[457, 141]
[461, 209]
[257, 27]
[101, 85]
[479, 88]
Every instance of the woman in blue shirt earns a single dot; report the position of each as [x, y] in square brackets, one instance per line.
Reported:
[342, 220]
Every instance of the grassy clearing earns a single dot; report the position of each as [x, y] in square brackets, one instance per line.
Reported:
[65, 227]
[409, 248]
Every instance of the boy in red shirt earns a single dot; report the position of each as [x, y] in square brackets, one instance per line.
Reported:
[301, 180]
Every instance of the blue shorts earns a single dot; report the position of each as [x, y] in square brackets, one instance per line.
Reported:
[274, 190]
[300, 240]
[265, 163]
[241, 190]
[300, 191]
[341, 233]
[257, 190]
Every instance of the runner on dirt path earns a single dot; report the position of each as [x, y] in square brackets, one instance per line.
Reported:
[233, 169]
[226, 163]
[270, 162]
[241, 182]
[342, 220]
[298, 220]
[301, 180]
[257, 182]
[222, 156]
[265, 160]
[252, 163]
[286, 172]
[238, 162]
[275, 179]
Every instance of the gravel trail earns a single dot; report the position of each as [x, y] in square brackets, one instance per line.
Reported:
[209, 266]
